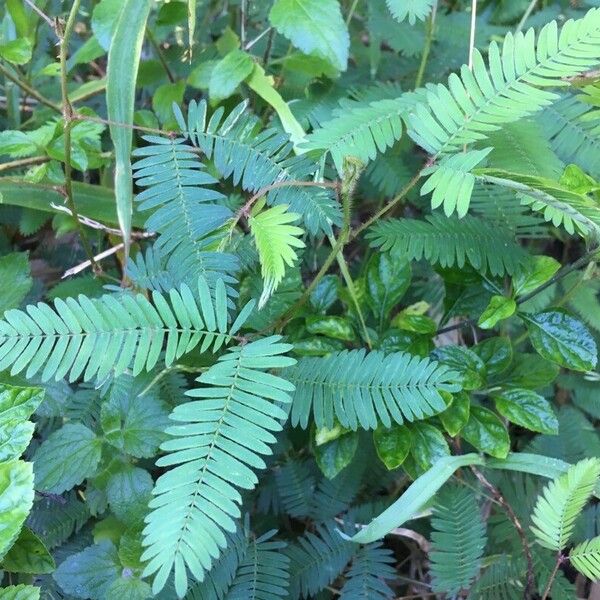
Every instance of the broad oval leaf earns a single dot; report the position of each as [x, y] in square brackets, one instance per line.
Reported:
[392, 444]
[528, 409]
[563, 339]
[486, 432]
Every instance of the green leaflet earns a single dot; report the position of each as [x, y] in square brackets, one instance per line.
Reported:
[314, 26]
[28, 555]
[16, 499]
[562, 339]
[123, 60]
[20, 592]
[415, 497]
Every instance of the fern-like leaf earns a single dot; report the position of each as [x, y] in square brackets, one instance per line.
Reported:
[317, 559]
[457, 540]
[94, 337]
[450, 241]
[561, 502]
[573, 128]
[480, 101]
[371, 566]
[213, 451]
[452, 182]
[361, 131]
[585, 558]
[410, 9]
[360, 389]
[264, 573]
[559, 205]
[275, 241]
[184, 209]
[256, 160]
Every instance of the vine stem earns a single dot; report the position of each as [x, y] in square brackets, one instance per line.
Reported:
[351, 12]
[68, 115]
[530, 585]
[559, 560]
[24, 162]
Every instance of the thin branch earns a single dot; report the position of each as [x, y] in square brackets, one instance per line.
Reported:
[526, 15]
[581, 262]
[530, 585]
[559, 560]
[160, 55]
[258, 38]
[427, 47]
[389, 206]
[42, 14]
[351, 12]
[29, 90]
[243, 15]
[67, 111]
[23, 162]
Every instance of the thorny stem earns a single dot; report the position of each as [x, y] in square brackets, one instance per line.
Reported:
[67, 111]
[530, 585]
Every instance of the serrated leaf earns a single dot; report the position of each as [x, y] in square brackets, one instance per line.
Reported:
[562, 339]
[486, 432]
[392, 444]
[135, 424]
[128, 492]
[28, 555]
[20, 592]
[528, 409]
[16, 499]
[66, 458]
[315, 27]
[498, 309]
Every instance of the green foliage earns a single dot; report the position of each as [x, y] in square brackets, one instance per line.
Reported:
[359, 388]
[343, 304]
[561, 502]
[458, 540]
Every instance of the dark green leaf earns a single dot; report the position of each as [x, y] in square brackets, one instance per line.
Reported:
[496, 353]
[486, 432]
[392, 444]
[541, 268]
[28, 555]
[528, 409]
[463, 361]
[456, 416]
[563, 339]
[334, 456]
[339, 328]
[387, 281]
[428, 446]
